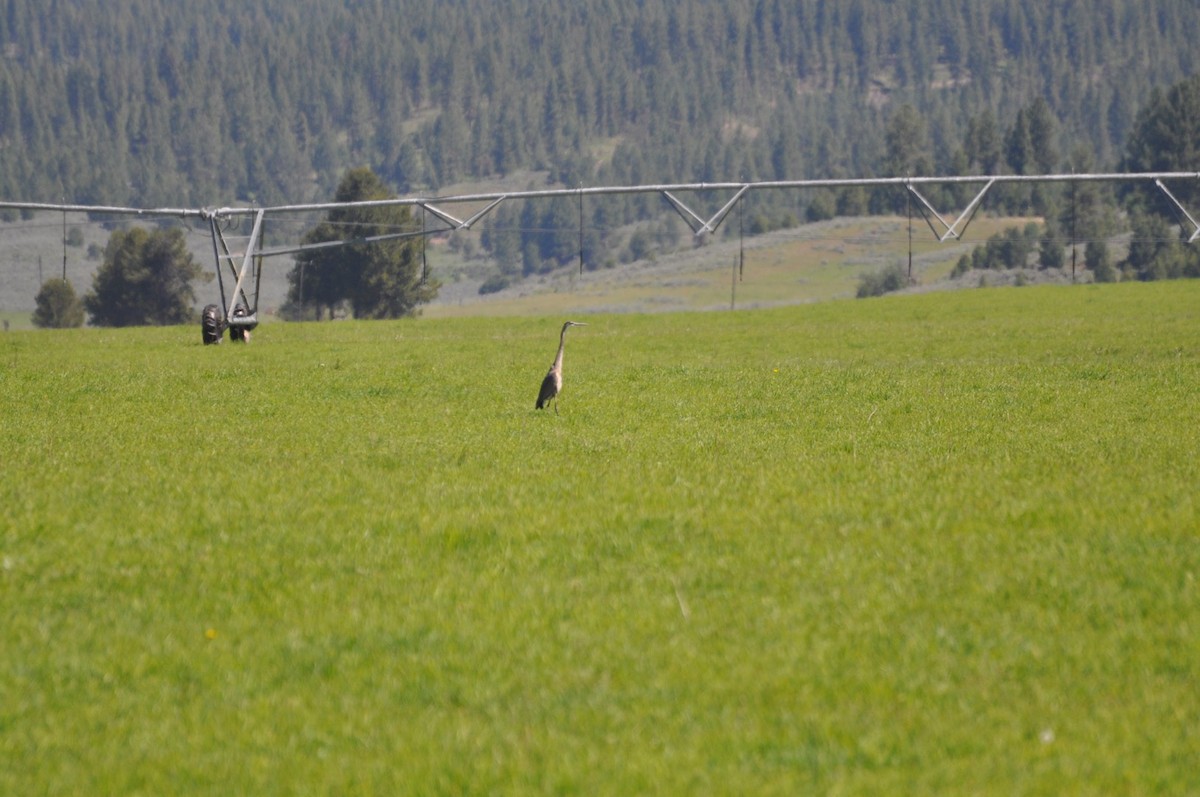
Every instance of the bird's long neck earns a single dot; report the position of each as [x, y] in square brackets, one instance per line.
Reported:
[562, 342]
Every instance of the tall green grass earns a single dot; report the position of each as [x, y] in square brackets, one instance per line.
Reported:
[926, 544]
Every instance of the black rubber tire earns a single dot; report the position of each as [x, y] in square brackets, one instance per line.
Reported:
[210, 324]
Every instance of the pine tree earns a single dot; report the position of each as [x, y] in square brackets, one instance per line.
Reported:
[982, 142]
[1018, 145]
[1166, 138]
[58, 307]
[1042, 134]
[145, 280]
[380, 279]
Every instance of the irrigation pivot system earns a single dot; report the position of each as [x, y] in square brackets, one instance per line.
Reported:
[239, 258]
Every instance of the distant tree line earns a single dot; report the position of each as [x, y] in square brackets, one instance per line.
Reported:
[162, 103]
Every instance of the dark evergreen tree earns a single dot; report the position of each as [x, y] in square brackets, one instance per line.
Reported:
[906, 155]
[1018, 146]
[145, 280]
[906, 144]
[1157, 250]
[1152, 238]
[1042, 136]
[58, 307]
[378, 279]
[983, 143]
[1098, 261]
[502, 237]
[1089, 209]
[1166, 138]
[1052, 247]
[392, 284]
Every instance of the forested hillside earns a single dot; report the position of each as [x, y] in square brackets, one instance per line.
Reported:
[159, 102]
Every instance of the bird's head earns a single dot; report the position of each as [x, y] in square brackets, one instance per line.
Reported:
[573, 324]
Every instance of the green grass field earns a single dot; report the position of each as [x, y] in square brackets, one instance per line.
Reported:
[932, 544]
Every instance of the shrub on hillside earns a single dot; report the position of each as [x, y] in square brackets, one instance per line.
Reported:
[889, 280]
[494, 283]
[58, 306]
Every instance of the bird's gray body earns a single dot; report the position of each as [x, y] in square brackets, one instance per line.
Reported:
[552, 384]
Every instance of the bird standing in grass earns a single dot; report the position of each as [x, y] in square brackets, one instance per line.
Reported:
[552, 384]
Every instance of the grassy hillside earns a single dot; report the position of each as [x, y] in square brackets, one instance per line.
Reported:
[924, 544]
[815, 262]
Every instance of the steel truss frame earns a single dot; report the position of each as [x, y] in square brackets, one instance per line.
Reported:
[701, 225]
[239, 310]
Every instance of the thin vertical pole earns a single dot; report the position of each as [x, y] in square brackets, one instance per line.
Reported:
[217, 239]
[581, 229]
[741, 239]
[908, 210]
[733, 287]
[1073, 212]
[258, 262]
[64, 242]
[424, 260]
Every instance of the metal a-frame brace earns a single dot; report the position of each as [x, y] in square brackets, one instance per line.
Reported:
[459, 224]
[954, 230]
[238, 310]
[964, 218]
[700, 226]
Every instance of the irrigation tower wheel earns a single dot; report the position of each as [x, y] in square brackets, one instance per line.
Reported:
[210, 324]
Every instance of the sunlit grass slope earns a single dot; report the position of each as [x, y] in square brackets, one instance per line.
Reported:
[924, 544]
[813, 262]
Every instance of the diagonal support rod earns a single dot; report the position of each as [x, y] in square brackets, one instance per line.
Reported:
[1179, 206]
[686, 213]
[459, 224]
[964, 218]
[700, 226]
